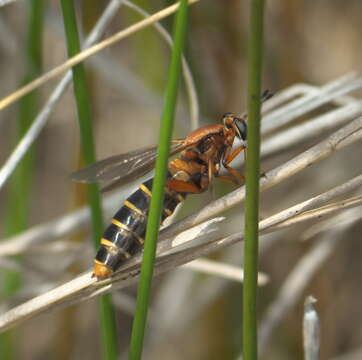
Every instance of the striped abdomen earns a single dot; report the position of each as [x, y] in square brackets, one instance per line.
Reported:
[125, 235]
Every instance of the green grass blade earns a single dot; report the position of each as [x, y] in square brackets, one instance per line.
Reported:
[109, 332]
[158, 186]
[255, 47]
[19, 192]
[84, 113]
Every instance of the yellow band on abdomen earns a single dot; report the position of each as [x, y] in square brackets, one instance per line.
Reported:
[133, 207]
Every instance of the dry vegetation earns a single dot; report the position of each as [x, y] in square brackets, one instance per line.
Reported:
[310, 205]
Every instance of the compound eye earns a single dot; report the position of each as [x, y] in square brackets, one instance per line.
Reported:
[241, 125]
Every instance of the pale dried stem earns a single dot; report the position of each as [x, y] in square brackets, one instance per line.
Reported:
[313, 98]
[347, 217]
[41, 119]
[322, 211]
[295, 283]
[281, 218]
[226, 271]
[311, 330]
[87, 53]
[84, 287]
[186, 71]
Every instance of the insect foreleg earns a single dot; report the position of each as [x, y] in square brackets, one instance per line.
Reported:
[229, 157]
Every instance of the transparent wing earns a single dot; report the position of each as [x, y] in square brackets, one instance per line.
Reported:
[123, 168]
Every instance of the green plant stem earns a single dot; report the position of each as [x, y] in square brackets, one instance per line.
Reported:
[19, 192]
[109, 331]
[158, 186]
[255, 46]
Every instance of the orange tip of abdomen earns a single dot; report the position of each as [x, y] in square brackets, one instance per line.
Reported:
[101, 271]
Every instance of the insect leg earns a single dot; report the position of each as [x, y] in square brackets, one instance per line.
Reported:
[228, 179]
[228, 158]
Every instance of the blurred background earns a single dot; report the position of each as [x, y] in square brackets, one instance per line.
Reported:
[193, 316]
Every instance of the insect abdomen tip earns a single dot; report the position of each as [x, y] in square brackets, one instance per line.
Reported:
[101, 271]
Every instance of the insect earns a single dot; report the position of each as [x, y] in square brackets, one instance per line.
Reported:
[202, 154]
